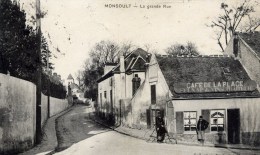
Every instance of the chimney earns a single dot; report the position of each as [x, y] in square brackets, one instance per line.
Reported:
[122, 64]
[108, 67]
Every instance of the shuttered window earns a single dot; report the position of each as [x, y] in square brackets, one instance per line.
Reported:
[206, 116]
[217, 120]
[190, 120]
[179, 122]
[153, 94]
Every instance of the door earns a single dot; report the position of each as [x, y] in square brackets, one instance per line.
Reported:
[233, 126]
[111, 101]
[156, 113]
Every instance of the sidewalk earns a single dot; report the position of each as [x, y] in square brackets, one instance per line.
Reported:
[150, 136]
[49, 142]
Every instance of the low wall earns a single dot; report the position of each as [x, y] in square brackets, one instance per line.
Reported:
[17, 114]
[58, 105]
[44, 109]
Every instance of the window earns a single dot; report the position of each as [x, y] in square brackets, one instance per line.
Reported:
[190, 120]
[153, 94]
[217, 120]
[100, 98]
[135, 83]
[105, 94]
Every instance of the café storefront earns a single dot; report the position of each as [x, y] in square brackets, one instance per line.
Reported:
[184, 88]
[231, 114]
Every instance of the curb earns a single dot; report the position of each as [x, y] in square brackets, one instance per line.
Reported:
[117, 130]
[180, 143]
[58, 148]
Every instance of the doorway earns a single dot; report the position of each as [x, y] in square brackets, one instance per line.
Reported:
[233, 126]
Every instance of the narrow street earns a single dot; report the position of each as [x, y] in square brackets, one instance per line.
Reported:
[78, 135]
[49, 141]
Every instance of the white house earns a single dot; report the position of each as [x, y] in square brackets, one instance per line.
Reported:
[120, 82]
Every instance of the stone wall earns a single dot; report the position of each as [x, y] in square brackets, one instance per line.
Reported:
[58, 105]
[17, 114]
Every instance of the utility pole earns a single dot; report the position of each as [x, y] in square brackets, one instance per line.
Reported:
[48, 84]
[39, 75]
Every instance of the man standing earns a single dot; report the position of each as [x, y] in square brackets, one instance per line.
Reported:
[160, 128]
[202, 125]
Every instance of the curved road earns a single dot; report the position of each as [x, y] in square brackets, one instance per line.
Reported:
[78, 135]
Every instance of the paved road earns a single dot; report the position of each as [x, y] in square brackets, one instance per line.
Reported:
[49, 142]
[79, 135]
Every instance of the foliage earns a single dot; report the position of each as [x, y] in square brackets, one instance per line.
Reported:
[80, 79]
[18, 43]
[180, 49]
[103, 52]
[18, 47]
[232, 19]
[57, 90]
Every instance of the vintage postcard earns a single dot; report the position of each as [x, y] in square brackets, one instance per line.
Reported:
[129, 77]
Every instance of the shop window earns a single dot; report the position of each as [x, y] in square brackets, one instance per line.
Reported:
[190, 121]
[217, 120]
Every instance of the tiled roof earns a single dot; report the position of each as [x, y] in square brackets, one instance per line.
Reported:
[202, 69]
[253, 40]
[134, 61]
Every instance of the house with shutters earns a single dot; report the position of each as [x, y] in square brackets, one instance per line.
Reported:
[245, 47]
[119, 84]
[183, 88]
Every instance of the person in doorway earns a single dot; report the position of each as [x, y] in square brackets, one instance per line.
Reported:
[202, 125]
[160, 128]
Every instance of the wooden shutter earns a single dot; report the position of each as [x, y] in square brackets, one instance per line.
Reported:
[148, 116]
[179, 122]
[206, 116]
[153, 94]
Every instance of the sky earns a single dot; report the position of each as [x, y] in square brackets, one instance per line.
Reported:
[74, 26]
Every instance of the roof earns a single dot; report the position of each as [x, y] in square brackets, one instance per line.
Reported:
[134, 62]
[74, 86]
[202, 69]
[138, 55]
[253, 40]
[70, 77]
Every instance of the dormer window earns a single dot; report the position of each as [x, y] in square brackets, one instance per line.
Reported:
[226, 70]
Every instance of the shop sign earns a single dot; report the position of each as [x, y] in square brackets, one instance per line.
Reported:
[211, 87]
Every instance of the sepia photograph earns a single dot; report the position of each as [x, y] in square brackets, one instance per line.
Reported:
[129, 77]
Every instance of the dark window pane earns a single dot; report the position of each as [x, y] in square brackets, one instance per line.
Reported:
[153, 94]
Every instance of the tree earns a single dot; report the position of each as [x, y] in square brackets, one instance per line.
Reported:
[150, 49]
[231, 20]
[18, 43]
[100, 54]
[179, 49]
[80, 78]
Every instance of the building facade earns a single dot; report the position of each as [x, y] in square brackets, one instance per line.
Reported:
[184, 88]
[224, 89]
[119, 84]
[247, 50]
